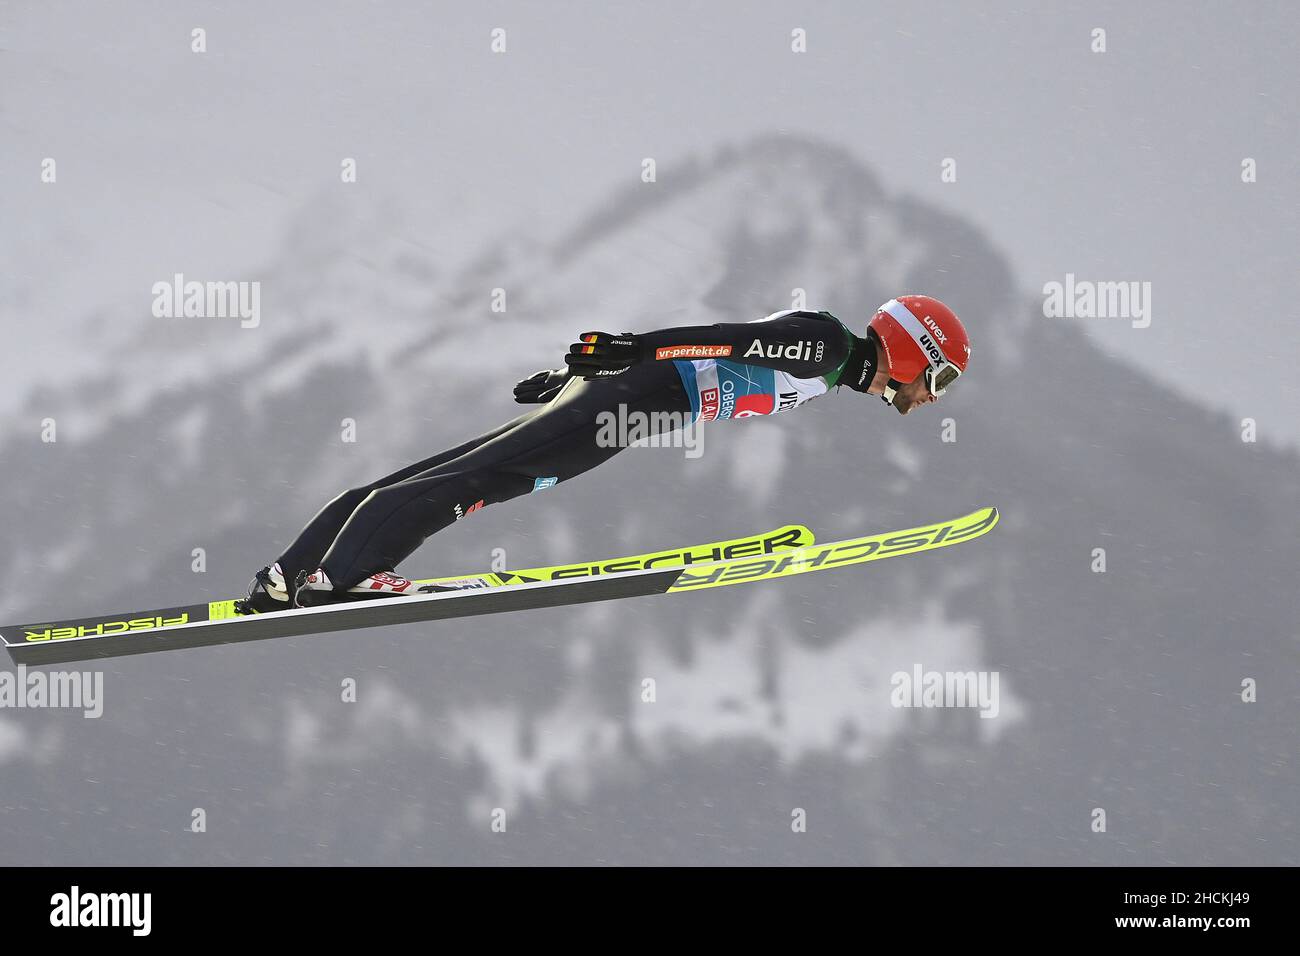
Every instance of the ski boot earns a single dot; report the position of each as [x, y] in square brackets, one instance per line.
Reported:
[267, 592]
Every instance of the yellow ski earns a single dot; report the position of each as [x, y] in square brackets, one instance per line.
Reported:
[839, 554]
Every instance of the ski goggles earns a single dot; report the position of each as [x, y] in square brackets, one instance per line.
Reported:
[939, 377]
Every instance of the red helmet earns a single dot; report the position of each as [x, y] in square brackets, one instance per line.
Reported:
[921, 334]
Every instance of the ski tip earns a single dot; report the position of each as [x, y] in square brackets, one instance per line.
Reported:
[981, 522]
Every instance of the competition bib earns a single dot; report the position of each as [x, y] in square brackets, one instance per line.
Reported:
[720, 389]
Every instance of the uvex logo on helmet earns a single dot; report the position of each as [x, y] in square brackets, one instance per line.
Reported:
[932, 349]
[934, 327]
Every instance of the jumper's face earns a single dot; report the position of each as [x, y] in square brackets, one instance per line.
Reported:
[913, 395]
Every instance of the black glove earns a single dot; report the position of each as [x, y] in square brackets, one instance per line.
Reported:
[541, 387]
[600, 354]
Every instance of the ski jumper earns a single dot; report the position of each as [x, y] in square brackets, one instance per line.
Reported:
[703, 373]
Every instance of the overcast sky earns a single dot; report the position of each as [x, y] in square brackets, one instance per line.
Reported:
[1116, 166]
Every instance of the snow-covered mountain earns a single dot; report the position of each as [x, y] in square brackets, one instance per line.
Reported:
[200, 434]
